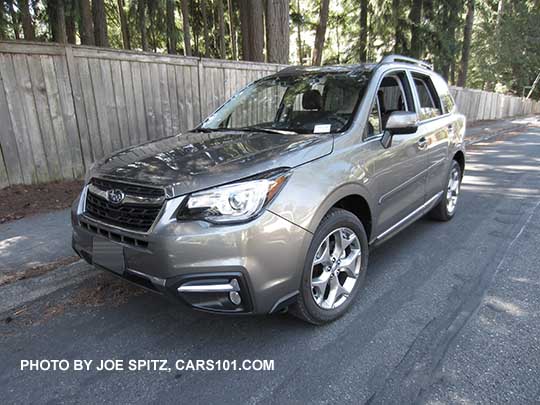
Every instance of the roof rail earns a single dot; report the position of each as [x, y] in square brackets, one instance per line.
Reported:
[406, 59]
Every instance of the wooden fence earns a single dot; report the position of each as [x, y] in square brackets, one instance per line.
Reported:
[63, 107]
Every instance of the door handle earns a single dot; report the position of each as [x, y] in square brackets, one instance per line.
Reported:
[422, 143]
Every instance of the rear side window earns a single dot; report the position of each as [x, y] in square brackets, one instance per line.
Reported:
[430, 105]
[444, 94]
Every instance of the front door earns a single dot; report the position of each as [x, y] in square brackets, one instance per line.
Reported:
[401, 168]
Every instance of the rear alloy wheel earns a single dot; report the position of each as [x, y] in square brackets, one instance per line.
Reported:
[446, 208]
[335, 268]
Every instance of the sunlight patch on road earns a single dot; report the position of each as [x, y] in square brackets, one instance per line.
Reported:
[500, 305]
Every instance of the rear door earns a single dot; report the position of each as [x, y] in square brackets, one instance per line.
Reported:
[435, 124]
[401, 169]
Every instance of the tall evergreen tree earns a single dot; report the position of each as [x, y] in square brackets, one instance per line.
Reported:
[124, 25]
[320, 34]
[141, 18]
[277, 31]
[466, 48]
[3, 20]
[86, 29]
[26, 20]
[101, 37]
[415, 19]
[251, 23]
[232, 29]
[186, 27]
[362, 43]
[220, 11]
[171, 28]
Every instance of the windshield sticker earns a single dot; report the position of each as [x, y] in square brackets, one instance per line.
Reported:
[322, 129]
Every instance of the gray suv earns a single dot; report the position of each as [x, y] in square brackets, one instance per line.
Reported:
[275, 200]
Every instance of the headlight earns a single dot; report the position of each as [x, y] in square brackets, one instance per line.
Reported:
[238, 202]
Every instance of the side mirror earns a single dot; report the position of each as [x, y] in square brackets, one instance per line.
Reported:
[402, 122]
[399, 122]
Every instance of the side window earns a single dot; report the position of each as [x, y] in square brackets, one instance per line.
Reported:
[429, 100]
[394, 94]
[444, 94]
[373, 126]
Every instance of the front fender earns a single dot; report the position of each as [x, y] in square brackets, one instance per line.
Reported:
[315, 188]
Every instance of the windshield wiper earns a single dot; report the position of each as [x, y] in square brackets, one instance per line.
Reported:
[246, 129]
[266, 129]
[208, 130]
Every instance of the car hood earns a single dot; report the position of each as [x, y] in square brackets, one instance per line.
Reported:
[194, 161]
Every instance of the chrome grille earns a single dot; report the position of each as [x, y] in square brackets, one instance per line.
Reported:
[134, 214]
[129, 189]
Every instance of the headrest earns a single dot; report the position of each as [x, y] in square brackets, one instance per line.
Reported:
[312, 100]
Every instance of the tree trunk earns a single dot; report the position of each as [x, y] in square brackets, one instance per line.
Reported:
[152, 14]
[252, 25]
[185, 27]
[299, 36]
[400, 42]
[221, 23]
[15, 21]
[57, 18]
[86, 30]
[205, 28]
[100, 23]
[124, 26]
[141, 15]
[171, 28]
[3, 21]
[318, 47]
[363, 30]
[244, 28]
[71, 27]
[26, 19]
[232, 30]
[465, 51]
[338, 49]
[415, 18]
[500, 13]
[277, 31]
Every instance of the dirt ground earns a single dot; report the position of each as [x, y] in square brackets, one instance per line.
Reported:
[17, 202]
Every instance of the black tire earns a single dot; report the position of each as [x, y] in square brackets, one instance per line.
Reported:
[440, 212]
[306, 308]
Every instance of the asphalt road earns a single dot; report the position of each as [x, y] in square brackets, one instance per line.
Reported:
[450, 313]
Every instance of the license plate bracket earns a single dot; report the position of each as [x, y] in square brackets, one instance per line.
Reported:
[108, 255]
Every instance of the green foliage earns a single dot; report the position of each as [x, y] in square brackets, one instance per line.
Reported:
[505, 49]
[506, 56]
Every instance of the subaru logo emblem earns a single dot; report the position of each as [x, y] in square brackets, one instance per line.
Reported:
[115, 196]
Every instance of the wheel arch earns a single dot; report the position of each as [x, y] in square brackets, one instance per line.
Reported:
[459, 157]
[353, 199]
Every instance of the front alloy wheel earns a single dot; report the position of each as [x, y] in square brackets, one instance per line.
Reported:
[335, 268]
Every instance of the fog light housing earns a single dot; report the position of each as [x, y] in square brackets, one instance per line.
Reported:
[216, 293]
[235, 297]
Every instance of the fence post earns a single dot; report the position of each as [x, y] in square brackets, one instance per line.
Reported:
[202, 92]
[80, 112]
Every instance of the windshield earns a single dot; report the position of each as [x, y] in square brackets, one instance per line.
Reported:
[308, 103]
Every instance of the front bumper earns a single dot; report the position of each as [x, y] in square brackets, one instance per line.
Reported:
[262, 259]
